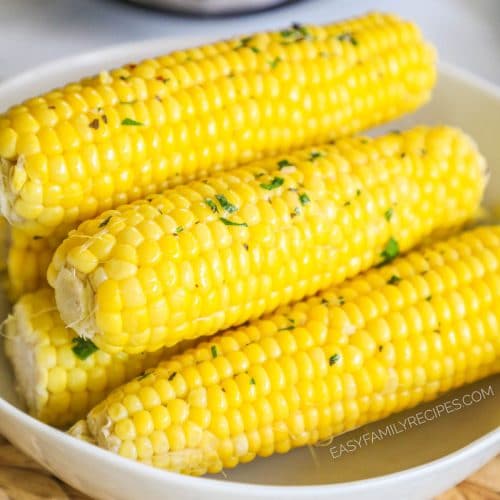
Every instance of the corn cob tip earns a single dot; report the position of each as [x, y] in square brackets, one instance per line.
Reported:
[75, 303]
[80, 430]
[13, 175]
[20, 352]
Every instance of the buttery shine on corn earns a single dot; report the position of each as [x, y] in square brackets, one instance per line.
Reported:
[71, 153]
[385, 341]
[214, 253]
[59, 376]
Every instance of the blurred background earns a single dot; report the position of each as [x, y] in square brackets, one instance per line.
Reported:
[466, 32]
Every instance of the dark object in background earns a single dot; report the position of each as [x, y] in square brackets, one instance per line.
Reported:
[213, 7]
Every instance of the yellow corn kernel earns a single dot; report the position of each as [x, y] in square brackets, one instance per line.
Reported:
[211, 429]
[249, 97]
[347, 204]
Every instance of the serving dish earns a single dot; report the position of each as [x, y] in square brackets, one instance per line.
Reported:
[413, 463]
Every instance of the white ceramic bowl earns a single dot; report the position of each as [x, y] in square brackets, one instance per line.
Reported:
[415, 464]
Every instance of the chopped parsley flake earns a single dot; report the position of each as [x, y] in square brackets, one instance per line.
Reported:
[304, 199]
[94, 123]
[252, 381]
[358, 192]
[347, 37]
[334, 358]
[296, 33]
[341, 300]
[428, 298]
[210, 204]
[232, 223]
[295, 212]
[274, 184]
[388, 214]
[130, 122]
[390, 252]
[179, 229]
[213, 350]
[83, 348]
[105, 222]
[324, 301]
[245, 43]
[228, 207]
[274, 63]
[172, 376]
[315, 155]
[393, 280]
[380, 348]
[284, 163]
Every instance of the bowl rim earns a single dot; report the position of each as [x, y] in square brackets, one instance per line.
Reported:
[209, 484]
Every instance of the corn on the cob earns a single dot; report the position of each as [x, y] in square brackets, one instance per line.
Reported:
[380, 343]
[59, 378]
[28, 259]
[74, 152]
[211, 254]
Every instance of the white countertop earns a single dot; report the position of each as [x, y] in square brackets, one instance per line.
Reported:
[466, 32]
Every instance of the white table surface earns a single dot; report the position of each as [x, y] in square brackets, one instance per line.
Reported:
[466, 32]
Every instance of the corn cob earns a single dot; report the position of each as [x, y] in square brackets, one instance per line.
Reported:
[205, 256]
[378, 344]
[59, 378]
[28, 259]
[74, 152]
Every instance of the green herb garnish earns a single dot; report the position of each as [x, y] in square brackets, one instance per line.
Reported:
[347, 37]
[172, 376]
[393, 280]
[228, 222]
[83, 348]
[130, 122]
[213, 350]
[388, 214]
[274, 184]
[228, 207]
[315, 155]
[179, 229]
[296, 33]
[390, 252]
[252, 381]
[341, 300]
[304, 199]
[334, 358]
[274, 63]
[284, 163]
[210, 204]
